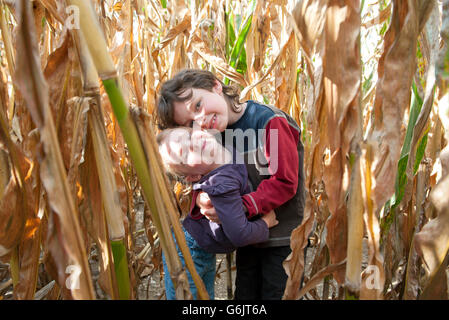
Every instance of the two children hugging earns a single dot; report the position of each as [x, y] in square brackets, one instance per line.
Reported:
[232, 202]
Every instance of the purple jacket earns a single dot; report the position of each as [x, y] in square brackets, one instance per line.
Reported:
[225, 187]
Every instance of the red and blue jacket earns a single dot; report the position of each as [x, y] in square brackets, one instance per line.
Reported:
[270, 141]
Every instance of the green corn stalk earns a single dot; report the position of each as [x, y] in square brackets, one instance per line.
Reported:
[401, 177]
[116, 229]
[235, 46]
[230, 33]
[107, 72]
[121, 268]
[237, 51]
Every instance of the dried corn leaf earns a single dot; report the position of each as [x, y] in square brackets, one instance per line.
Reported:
[310, 16]
[219, 30]
[341, 84]
[432, 242]
[372, 283]
[56, 260]
[384, 14]
[92, 210]
[30, 243]
[56, 74]
[423, 118]
[319, 276]
[245, 92]
[285, 75]
[294, 263]
[33, 87]
[222, 67]
[12, 214]
[437, 287]
[56, 9]
[178, 29]
[258, 38]
[337, 239]
[393, 95]
[29, 253]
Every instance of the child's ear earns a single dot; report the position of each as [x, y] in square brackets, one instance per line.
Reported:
[218, 87]
[193, 178]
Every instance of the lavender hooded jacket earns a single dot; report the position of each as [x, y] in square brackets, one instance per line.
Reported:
[225, 187]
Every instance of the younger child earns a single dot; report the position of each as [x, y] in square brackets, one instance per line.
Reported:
[198, 157]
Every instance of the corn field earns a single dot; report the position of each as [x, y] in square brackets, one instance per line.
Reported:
[83, 190]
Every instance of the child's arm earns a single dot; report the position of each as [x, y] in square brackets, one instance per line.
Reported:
[237, 228]
[282, 185]
[270, 219]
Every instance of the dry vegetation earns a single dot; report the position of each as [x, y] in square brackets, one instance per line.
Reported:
[81, 182]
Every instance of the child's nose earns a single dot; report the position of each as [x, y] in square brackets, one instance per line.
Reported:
[196, 135]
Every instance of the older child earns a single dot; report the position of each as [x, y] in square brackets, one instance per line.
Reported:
[197, 156]
[274, 161]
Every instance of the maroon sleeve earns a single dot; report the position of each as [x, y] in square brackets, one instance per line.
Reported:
[195, 212]
[282, 185]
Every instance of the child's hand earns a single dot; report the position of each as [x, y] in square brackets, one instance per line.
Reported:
[270, 219]
[206, 207]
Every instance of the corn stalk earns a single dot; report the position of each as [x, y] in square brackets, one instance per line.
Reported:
[106, 70]
[114, 218]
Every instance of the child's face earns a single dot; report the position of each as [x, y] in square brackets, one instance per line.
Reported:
[208, 109]
[192, 153]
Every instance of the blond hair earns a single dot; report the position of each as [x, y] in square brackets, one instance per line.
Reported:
[160, 139]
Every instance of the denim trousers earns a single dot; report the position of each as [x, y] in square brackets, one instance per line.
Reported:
[204, 265]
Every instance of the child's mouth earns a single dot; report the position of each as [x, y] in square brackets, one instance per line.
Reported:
[212, 122]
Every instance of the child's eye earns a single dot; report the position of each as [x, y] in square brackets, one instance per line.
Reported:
[197, 106]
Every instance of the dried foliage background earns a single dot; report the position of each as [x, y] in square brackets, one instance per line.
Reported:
[366, 81]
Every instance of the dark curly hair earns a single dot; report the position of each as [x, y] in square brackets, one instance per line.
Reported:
[172, 89]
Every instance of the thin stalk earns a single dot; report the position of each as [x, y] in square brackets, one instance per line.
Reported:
[229, 275]
[355, 233]
[107, 72]
[6, 139]
[6, 35]
[326, 282]
[12, 149]
[7, 39]
[167, 201]
[121, 268]
[113, 213]
[108, 187]
[132, 60]
[103, 159]
[14, 266]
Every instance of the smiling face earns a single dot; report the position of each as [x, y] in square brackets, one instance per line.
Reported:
[207, 109]
[191, 153]
[196, 97]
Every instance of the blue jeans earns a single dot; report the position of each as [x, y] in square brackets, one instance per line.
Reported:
[204, 265]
